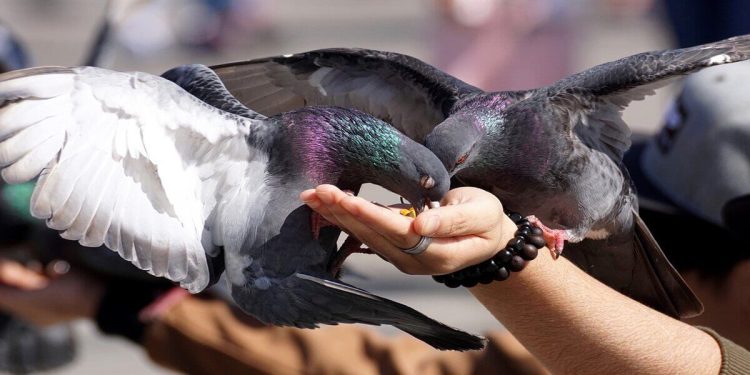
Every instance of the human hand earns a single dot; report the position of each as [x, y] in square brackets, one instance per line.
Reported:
[468, 228]
[47, 297]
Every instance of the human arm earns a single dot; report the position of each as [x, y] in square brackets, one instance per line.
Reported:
[570, 321]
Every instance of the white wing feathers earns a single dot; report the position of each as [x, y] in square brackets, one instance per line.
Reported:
[129, 160]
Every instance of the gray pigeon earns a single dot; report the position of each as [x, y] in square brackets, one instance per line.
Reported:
[169, 181]
[554, 152]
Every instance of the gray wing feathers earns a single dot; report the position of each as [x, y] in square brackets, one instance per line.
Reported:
[603, 91]
[647, 71]
[402, 90]
[674, 293]
[634, 265]
[306, 301]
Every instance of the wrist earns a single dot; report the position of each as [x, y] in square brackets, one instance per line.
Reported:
[522, 247]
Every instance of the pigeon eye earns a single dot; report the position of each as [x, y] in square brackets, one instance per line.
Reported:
[427, 182]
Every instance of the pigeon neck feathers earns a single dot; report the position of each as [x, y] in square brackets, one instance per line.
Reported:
[347, 147]
[332, 141]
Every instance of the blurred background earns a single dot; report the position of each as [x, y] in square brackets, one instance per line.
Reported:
[493, 44]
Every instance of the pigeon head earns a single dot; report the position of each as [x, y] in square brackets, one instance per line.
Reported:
[456, 140]
[348, 147]
[427, 177]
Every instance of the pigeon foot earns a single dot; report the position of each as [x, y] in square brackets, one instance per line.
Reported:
[318, 222]
[555, 238]
[350, 246]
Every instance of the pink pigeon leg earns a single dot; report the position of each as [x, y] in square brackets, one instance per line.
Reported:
[555, 238]
[318, 222]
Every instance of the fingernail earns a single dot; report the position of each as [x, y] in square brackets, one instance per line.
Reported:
[429, 225]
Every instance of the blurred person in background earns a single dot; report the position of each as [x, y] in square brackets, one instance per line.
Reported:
[697, 22]
[490, 43]
[693, 181]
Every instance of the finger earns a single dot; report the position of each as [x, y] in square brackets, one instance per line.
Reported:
[16, 275]
[333, 197]
[467, 217]
[444, 255]
[388, 223]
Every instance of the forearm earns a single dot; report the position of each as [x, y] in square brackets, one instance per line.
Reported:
[574, 324]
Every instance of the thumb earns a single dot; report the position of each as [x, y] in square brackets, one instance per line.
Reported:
[462, 219]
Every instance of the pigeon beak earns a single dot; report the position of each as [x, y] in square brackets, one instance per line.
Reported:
[427, 203]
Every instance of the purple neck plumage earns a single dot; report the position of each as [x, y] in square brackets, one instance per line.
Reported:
[335, 141]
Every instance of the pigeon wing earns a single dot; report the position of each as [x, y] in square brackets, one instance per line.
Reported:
[603, 91]
[290, 286]
[128, 160]
[399, 89]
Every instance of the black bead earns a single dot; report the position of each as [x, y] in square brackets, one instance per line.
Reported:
[536, 231]
[440, 278]
[516, 244]
[537, 241]
[523, 231]
[488, 267]
[487, 277]
[503, 257]
[472, 272]
[529, 252]
[468, 283]
[452, 283]
[517, 263]
[502, 274]
[523, 222]
[515, 216]
[458, 275]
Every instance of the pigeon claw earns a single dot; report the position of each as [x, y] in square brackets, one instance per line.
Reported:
[555, 238]
[350, 246]
[318, 222]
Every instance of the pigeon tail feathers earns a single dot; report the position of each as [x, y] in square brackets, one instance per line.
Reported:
[676, 298]
[364, 307]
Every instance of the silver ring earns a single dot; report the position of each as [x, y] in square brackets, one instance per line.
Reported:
[420, 247]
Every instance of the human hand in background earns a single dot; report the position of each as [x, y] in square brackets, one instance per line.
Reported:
[47, 296]
[467, 229]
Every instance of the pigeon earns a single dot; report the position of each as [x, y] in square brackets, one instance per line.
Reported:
[554, 152]
[171, 179]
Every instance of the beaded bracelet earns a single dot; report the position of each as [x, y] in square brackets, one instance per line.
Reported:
[523, 247]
